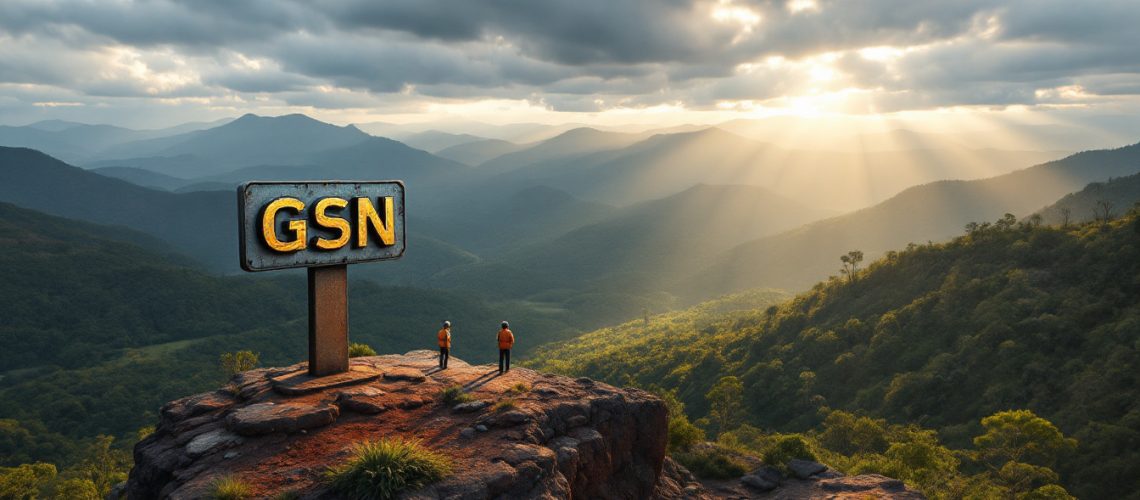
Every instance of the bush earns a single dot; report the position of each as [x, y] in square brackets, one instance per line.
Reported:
[788, 447]
[356, 350]
[712, 462]
[504, 405]
[382, 469]
[230, 488]
[234, 363]
[683, 434]
[454, 395]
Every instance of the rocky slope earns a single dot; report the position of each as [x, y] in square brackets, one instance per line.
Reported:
[277, 430]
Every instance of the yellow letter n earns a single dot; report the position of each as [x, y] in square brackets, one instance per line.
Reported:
[367, 217]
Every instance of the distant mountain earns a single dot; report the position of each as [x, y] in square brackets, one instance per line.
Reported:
[930, 212]
[142, 177]
[513, 132]
[667, 163]
[434, 140]
[496, 221]
[170, 166]
[255, 140]
[54, 125]
[477, 152]
[375, 158]
[201, 225]
[574, 142]
[46, 140]
[1121, 194]
[642, 246]
[80, 142]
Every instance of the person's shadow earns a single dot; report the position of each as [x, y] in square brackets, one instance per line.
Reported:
[483, 379]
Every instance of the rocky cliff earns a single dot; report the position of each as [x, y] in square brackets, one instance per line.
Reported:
[523, 434]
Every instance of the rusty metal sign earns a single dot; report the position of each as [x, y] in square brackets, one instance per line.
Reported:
[325, 223]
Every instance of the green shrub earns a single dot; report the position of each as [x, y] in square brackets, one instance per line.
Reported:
[382, 469]
[356, 350]
[229, 488]
[454, 395]
[712, 462]
[234, 363]
[504, 405]
[788, 447]
[683, 434]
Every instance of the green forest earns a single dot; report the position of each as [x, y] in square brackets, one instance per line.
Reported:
[103, 325]
[1009, 317]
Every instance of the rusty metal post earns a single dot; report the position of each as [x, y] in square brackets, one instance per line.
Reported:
[328, 320]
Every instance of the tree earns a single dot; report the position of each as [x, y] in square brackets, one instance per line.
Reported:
[1021, 436]
[102, 465]
[1008, 221]
[1035, 220]
[851, 264]
[1066, 215]
[1102, 212]
[726, 403]
[682, 433]
[25, 481]
[234, 363]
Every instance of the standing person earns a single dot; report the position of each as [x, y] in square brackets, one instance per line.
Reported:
[506, 342]
[444, 337]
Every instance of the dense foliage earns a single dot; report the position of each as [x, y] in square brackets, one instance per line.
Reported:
[1008, 316]
[101, 327]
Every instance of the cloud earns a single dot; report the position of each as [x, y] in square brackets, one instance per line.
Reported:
[580, 55]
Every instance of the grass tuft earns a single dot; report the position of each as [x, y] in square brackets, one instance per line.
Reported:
[356, 350]
[381, 470]
[454, 395]
[230, 488]
[504, 405]
[519, 388]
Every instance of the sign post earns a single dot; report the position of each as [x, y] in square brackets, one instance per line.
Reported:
[322, 226]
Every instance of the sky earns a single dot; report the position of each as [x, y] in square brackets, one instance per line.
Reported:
[153, 63]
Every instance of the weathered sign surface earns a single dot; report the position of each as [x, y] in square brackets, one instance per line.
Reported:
[309, 224]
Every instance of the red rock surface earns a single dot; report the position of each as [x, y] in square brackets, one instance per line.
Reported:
[563, 438]
[278, 430]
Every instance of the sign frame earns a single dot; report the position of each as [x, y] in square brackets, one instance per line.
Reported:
[248, 234]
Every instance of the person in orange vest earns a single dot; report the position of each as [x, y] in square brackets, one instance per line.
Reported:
[444, 337]
[506, 342]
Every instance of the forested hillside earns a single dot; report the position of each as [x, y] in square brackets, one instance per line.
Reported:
[102, 325]
[1009, 316]
[930, 212]
[1096, 201]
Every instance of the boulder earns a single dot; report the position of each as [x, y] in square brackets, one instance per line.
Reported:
[268, 418]
[804, 469]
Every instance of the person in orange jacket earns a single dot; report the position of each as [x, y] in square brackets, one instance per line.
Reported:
[444, 337]
[506, 342]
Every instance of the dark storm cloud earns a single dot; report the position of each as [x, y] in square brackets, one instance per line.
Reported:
[570, 54]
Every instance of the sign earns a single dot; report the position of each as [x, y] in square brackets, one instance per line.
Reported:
[305, 224]
[323, 226]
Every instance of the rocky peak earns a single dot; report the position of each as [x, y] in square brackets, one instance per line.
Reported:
[523, 434]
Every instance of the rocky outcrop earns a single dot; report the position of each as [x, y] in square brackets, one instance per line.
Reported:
[278, 430]
[523, 434]
[803, 479]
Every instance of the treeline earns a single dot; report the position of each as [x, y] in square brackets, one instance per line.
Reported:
[1011, 316]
